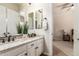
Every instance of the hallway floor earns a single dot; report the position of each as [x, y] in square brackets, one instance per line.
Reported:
[62, 48]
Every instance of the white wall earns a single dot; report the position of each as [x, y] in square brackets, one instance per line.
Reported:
[48, 13]
[76, 29]
[63, 20]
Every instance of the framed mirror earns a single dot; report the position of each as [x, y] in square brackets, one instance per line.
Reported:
[38, 19]
[31, 20]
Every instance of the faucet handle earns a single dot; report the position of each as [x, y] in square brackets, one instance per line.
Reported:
[3, 41]
[9, 37]
[13, 38]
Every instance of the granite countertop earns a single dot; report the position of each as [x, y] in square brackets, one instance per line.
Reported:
[18, 42]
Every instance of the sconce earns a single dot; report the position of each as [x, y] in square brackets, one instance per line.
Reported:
[40, 11]
[29, 3]
[45, 24]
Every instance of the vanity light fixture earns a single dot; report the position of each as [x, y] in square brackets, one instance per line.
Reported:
[45, 18]
[45, 24]
[40, 11]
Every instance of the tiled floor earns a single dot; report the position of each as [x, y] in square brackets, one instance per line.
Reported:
[62, 48]
[58, 52]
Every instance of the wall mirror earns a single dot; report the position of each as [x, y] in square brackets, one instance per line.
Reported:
[38, 19]
[31, 20]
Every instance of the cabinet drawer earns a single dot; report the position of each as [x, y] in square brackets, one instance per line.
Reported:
[31, 44]
[23, 54]
[14, 51]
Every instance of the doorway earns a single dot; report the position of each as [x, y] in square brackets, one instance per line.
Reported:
[63, 40]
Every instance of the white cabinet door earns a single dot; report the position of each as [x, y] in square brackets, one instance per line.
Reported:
[13, 18]
[31, 49]
[35, 48]
[2, 20]
[39, 47]
[14, 51]
[31, 52]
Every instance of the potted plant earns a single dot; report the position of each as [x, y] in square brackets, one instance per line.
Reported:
[19, 29]
[25, 30]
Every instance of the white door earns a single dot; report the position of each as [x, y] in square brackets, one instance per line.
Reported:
[76, 29]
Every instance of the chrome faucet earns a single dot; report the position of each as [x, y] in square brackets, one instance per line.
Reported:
[10, 37]
[6, 34]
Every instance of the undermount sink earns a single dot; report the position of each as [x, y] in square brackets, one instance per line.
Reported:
[15, 40]
[19, 39]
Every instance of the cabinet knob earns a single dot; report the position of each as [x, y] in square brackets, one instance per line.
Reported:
[78, 39]
[3, 41]
[32, 44]
[36, 48]
[25, 53]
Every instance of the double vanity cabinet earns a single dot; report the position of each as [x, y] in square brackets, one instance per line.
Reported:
[23, 47]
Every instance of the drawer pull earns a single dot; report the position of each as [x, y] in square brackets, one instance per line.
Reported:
[32, 44]
[25, 54]
[77, 39]
[36, 48]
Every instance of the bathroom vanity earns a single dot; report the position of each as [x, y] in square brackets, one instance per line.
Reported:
[29, 46]
[24, 46]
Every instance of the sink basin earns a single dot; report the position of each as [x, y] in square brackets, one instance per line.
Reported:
[17, 40]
